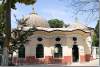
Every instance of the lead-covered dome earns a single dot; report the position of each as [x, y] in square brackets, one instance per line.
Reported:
[77, 25]
[33, 20]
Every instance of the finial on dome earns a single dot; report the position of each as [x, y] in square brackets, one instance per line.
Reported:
[33, 12]
[76, 19]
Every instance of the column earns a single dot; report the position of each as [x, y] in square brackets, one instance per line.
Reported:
[81, 54]
[67, 55]
[48, 55]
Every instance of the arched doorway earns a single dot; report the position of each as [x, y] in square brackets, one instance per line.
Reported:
[57, 54]
[75, 53]
[58, 51]
[21, 54]
[39, 51]
[21, 51]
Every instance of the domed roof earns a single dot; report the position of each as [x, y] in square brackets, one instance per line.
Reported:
[33, 20]
[77, 25]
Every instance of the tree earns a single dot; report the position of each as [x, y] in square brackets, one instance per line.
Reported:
[2, 29]
[55, 23]
[19, 37]
[8, 4]
[96, 36]
[66, 25]
[97, 29]
[27, 2]
[83, 7]
[95, 40]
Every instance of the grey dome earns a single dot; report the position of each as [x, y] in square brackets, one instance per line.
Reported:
[77, 26]
[33, 20]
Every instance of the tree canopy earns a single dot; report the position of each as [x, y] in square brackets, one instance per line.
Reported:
[1, 18]
[5, 22]
[95, 40]
[27, 2]
[96, 35]
[97, 28]
[5, 14]
[55, 23]
[88, 8]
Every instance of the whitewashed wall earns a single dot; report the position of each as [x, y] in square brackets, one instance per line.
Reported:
[49, 42]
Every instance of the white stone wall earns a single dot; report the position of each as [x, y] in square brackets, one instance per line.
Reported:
[81, 51]
[94, 52]
[67, 51]
[47, 51]
[49, 42]
[89, 42]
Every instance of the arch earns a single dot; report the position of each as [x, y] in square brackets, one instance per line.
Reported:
[75, 53]
[58, 51]
[39, 39]
[39, 51]
[21, 51]
[74, 38]
[58, 39]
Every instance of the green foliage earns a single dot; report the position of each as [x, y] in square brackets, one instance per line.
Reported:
[2, 27]
[96, 35]
[20, 38]
[2, 18]
[1, 8]
[97, 29]
[27, 2]
[66, 25]
[95, 40]
[55, 23]
[5, 21]
[2, 11]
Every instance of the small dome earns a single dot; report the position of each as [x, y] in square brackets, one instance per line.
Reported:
[77, 25]
[33, 20]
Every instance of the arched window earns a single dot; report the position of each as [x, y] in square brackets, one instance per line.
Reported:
[75, 53]
[39, 39]
[39, 51]
[58, 39]
[74, 38]
[21, 51]
[58, 51]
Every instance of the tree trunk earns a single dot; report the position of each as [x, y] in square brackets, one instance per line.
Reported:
[11, 57]
[5, 57]
[7, 31]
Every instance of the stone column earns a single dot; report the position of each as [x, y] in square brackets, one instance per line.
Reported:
[94, 52]
[48, 55]
[67, 55]
[81, 54]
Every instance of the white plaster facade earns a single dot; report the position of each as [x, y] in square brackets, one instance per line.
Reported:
[48, 35]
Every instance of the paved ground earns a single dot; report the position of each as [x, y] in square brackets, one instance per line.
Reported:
[91, 63]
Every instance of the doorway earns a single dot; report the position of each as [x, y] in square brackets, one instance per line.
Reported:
[39, 51]
[75, 53]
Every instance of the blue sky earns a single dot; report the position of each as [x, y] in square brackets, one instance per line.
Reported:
[51, 9]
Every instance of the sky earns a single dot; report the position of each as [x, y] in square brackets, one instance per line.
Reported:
[52, 9]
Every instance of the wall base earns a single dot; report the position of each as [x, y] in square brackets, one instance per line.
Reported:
[51, 60]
